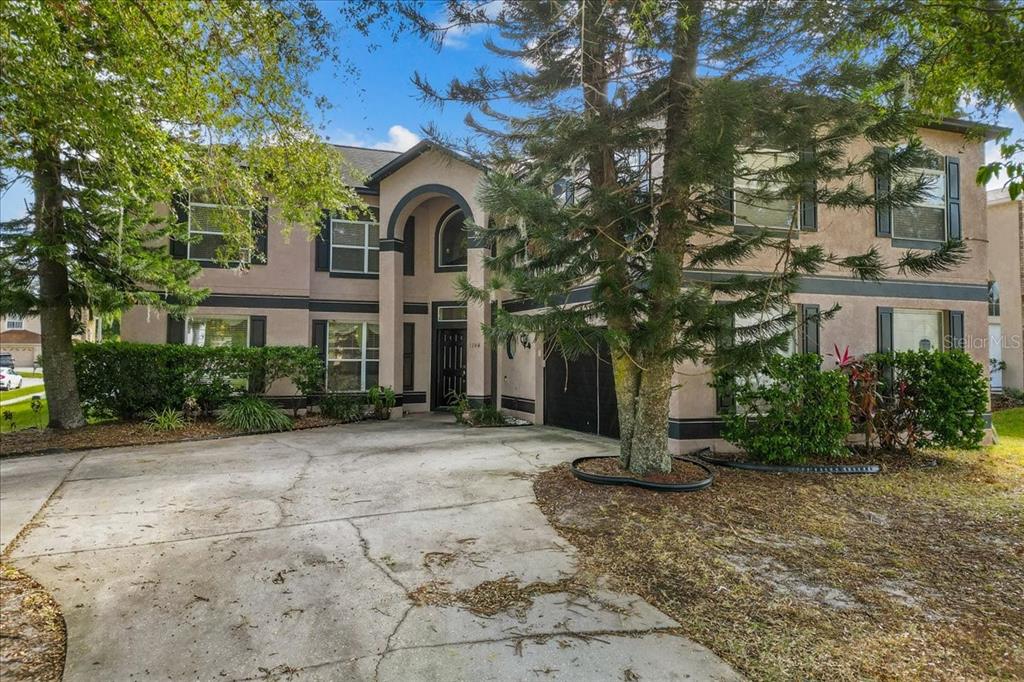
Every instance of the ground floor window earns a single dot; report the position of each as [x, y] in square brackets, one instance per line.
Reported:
[917, 329]
[353, 355]
[217, 332]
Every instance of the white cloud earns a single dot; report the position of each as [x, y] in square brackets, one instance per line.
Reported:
[399, 139]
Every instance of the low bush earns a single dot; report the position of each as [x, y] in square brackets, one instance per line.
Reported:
[129, 380]
[348, 408]
[791, 412]
[382, 399]
[167, 419]
[253, 414]
[487, 415]
[930, 398]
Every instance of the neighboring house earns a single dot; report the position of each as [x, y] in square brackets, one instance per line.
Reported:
[20, 337]
[377, 296]
[1006, 290]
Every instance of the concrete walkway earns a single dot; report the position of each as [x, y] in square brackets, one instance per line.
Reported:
[291, 556]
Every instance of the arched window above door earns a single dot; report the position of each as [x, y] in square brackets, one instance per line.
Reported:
[452, 241]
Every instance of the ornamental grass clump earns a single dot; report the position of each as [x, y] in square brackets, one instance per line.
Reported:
[253, 414]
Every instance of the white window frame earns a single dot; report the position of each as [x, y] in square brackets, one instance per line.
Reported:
[740, 183]
[362, 360]
[928, 202]
[365, 248]
[248, 330]
[246, 257]
[17, 320]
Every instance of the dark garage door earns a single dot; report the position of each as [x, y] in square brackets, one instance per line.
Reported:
[580, 394]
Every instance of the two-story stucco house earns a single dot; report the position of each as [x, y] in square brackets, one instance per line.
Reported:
[377, 296]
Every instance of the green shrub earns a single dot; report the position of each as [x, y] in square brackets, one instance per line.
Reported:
[253, 414]
[167, 419]
[343, 406]
[931, 398]
[382, 398]
[791, 413]
[487, 415]
[460, 407]
[128, 380]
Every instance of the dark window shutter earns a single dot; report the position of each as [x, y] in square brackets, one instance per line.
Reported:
[257, 331]
[956, 329]
[260, 226]
[320, 343]
[883, 183]
[408, 355]
[179, 204]
[953, 197]
[809, 198]
[409, 253]
[810, 333]
[323, 244]
[885, 342]
[175, 329]
[723, 200]
[724, 395]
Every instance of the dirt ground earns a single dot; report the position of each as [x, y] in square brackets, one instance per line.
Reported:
[32, 634]
[111, 434]
[914, 574]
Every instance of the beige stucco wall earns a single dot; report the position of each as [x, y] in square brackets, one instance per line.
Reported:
[1006, 231]
[29, 324]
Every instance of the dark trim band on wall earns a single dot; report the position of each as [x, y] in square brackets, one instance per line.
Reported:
[694, 429]
[511, 402]
[344, 306]
[823, 285]
[479, 400]
[415, 398]
[392, 245]
[415, 309]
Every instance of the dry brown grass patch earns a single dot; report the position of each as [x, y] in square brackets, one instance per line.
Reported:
[916, 574]
[32, 633]
[490, 597]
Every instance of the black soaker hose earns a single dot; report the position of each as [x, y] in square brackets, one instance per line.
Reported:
[704, 454]
[601, 479]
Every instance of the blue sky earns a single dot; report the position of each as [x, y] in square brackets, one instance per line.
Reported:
[379, 106]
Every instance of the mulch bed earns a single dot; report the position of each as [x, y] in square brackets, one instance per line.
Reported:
[32, 634]
[918, 574]
[115, 434]
[682, 472]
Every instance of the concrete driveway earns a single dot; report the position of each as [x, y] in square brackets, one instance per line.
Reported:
[291, 556]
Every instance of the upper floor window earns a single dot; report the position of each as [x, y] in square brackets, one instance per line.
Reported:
[634, 168]
[926, 218]
[355, 246]
[206, 227]
[15, 322]
[993, 299]
[452, 242]
[755, 200]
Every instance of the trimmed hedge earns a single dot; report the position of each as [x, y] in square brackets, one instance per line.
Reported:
[129, 380]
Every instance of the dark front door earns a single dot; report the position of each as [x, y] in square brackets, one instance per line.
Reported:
[450, 348]
[579, 394]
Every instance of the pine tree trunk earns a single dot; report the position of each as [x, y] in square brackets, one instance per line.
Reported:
[54, 300]
[627, 385]
[644, 447]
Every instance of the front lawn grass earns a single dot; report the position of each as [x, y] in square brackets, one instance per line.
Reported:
[24, 390]
[914, 574]
[23, 416]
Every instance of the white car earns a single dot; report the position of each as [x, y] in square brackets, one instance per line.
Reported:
[9, 379]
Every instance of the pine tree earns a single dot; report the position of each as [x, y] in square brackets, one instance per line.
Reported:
[627, 138]
[110, 106]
